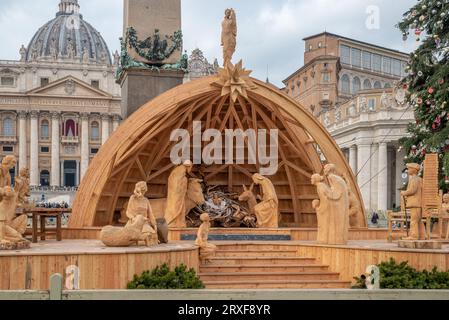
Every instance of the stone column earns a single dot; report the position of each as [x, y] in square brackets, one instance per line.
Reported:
[23, 154]
[61, 165]
[105, 118]
[353, 158]
[115, 122]
[382, 179]
[55, 150]
[364, 173]
[77, 177]
[84, 143]
[400, 166]
[34, 149]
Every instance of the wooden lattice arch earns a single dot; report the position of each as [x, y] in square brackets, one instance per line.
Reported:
[140, 150]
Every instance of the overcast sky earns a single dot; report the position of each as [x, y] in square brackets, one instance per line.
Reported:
[270, 31]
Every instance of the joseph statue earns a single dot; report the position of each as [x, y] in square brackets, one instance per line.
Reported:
[176, 198]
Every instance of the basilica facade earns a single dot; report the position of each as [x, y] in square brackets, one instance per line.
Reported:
[59, 102]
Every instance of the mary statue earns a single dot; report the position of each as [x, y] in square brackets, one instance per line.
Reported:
[229, 35]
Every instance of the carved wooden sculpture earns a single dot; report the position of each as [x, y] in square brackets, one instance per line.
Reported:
[22, 187]
[229, 35]
[413, 202]
[338, 207]
[267, 212]
[444, 217]
[176, 197]
[193, 198]
[139, 205]
[207, 250]
[8, 163]
[249, 197]
[322, 208]
[131, 234]
[12, 228]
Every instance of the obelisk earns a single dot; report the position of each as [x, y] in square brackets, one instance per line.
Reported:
[158, 21]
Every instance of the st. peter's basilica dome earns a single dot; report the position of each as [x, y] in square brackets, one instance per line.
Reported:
[68, 38]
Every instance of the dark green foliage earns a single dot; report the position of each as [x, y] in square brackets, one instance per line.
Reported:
[402, 276]
[428, 83]
[163, 278]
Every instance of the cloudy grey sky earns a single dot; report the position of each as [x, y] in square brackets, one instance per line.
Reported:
[270, 31]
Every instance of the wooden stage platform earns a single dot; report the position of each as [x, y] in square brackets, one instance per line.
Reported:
[100, 267]
[276, 261]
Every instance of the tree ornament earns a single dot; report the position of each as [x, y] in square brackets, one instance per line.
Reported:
[440, 81]
[446, 180]
[431, 90]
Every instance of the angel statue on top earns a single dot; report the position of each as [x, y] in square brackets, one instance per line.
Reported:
[229, 35]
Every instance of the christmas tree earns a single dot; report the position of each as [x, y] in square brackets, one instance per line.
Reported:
[427, 82]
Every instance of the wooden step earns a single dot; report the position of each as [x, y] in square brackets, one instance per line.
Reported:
[282, 284]
[264, 276]
[261, 260]
[264, 268]
[255, 246]
[254, 253]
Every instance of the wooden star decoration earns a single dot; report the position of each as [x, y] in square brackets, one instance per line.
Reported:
[235, 80]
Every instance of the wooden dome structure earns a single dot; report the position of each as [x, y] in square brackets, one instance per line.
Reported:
[140, 149]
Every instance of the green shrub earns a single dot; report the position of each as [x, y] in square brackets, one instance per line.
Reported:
[402, 276]
[163, 278]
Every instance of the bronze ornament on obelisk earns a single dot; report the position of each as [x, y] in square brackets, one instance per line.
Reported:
[151, 60]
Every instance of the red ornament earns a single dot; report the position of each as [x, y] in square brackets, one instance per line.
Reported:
[405, 86]
[441, 81]
[417, 32]
[431, 90]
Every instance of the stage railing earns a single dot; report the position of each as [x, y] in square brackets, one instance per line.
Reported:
[56, 292]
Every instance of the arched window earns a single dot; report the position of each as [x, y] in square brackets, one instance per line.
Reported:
[70, 128]
[45, 129]
[356, 85]
[367, 85]
[387, 85]
[8, 127]
[345, 85]
[95, 130]
[45, 178]
[377, 85]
